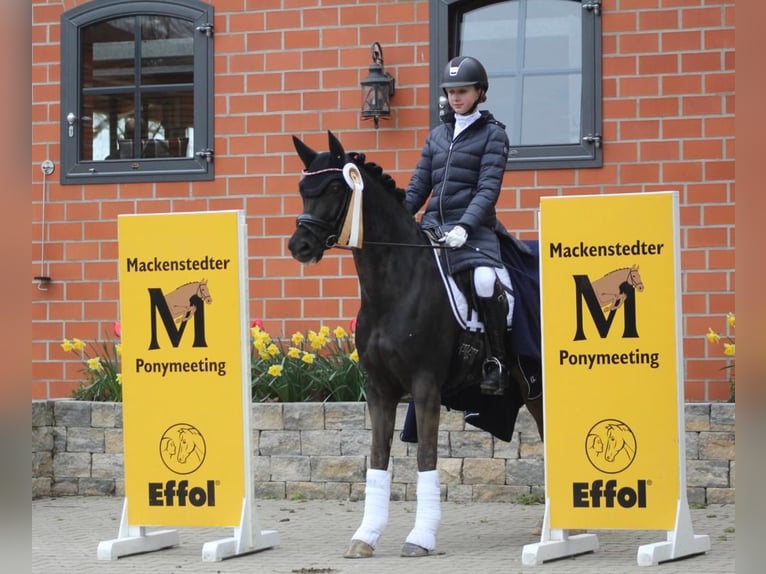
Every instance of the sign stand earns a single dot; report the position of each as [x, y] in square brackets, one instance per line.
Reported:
[188, 457]
[245, 539]
[135, 540]
[620, 462]
[680, 542]
[557, 543]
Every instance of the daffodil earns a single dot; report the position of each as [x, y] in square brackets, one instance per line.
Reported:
[712, 336]
[100, 367]
[728, 349]
[310, 365]
[318, 341]
[340, 332]
[730, 319]
[275, 370]
[294, 353]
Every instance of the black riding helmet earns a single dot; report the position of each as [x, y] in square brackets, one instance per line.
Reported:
[465, 71]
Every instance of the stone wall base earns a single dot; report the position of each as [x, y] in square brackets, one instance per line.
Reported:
[320, 450]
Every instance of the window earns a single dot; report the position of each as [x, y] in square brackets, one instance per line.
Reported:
[137, 92]
[543, 58]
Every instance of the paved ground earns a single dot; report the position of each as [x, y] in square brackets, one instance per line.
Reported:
[473, 538]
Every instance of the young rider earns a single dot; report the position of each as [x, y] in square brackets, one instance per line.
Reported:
[460, 173]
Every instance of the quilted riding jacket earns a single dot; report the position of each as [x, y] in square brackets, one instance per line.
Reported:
[463, 177]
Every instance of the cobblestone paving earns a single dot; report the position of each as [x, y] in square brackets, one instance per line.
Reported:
[473, 538]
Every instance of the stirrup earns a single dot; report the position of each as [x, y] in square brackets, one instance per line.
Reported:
[495, 378]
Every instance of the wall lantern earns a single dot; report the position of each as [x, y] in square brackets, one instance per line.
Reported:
[377, 88]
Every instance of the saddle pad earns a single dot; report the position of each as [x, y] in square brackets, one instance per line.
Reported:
[459, 303]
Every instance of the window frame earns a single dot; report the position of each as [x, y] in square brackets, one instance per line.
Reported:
[200, 166]
[588, 151]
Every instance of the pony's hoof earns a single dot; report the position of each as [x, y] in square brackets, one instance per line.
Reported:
[410, 550]
[358, 549]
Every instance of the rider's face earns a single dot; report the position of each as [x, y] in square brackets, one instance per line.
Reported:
[462, 98]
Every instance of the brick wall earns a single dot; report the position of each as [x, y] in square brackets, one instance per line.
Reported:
[285, 67]
[319, 450]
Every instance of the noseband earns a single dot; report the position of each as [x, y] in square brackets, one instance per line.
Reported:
[319, 227]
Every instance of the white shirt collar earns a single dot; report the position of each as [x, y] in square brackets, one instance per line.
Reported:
[462, 122]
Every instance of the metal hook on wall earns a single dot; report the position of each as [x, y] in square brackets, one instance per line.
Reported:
[44, 279]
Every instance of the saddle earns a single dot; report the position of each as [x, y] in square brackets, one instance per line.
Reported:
[494, 414]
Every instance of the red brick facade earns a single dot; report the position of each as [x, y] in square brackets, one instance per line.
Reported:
[285, 67]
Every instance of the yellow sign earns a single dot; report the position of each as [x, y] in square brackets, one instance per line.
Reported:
[613, 388]
[185, 384]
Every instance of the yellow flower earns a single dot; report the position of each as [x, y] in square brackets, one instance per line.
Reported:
[119, 378]
[78, 344]
[297, 338]
[712, 336]
[259, 344]
[318, 341]
[730, 319]
[272, 350]
[118, 349]
[354, 356]
[67, 345]
[340, 332]
[264, 355]
[728, 349]
[94, 364]
[254, 332]
[308, 358]
[275, 370]
[294, 352]
[324, 330]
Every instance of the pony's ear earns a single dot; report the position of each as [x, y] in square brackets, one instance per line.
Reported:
[306, 154]
[336, 149]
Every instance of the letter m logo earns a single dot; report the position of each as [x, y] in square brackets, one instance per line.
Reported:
[159, 306]
[584, 292]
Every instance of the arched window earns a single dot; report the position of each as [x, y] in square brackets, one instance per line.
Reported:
[543, 58]
[137, 91]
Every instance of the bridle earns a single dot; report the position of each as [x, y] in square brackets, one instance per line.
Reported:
[326, 232]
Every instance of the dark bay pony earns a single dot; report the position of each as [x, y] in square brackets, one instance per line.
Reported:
[407, 335]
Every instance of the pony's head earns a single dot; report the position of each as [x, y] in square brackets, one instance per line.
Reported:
[325, 200]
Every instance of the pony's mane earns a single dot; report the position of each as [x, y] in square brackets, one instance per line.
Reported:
[616, 270]
[376, 172]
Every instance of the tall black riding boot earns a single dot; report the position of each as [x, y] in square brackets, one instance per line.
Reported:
[494, 311]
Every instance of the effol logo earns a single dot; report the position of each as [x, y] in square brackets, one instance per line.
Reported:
[182, 448]
[615, 290]
[176, 309]
[610, 446]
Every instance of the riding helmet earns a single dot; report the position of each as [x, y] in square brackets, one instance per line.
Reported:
[465, 71]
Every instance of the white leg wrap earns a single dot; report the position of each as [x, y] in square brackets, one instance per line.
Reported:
[429, 511]
[377, 494]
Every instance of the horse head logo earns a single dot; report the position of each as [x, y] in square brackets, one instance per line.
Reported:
[610, 289]
[610, 446]
[182, 448]
[182, 302]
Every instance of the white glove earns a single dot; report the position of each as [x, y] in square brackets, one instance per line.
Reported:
[456, 237]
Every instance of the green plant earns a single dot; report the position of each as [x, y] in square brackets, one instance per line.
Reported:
[101, 367]
[729, 349]
[315, 366]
